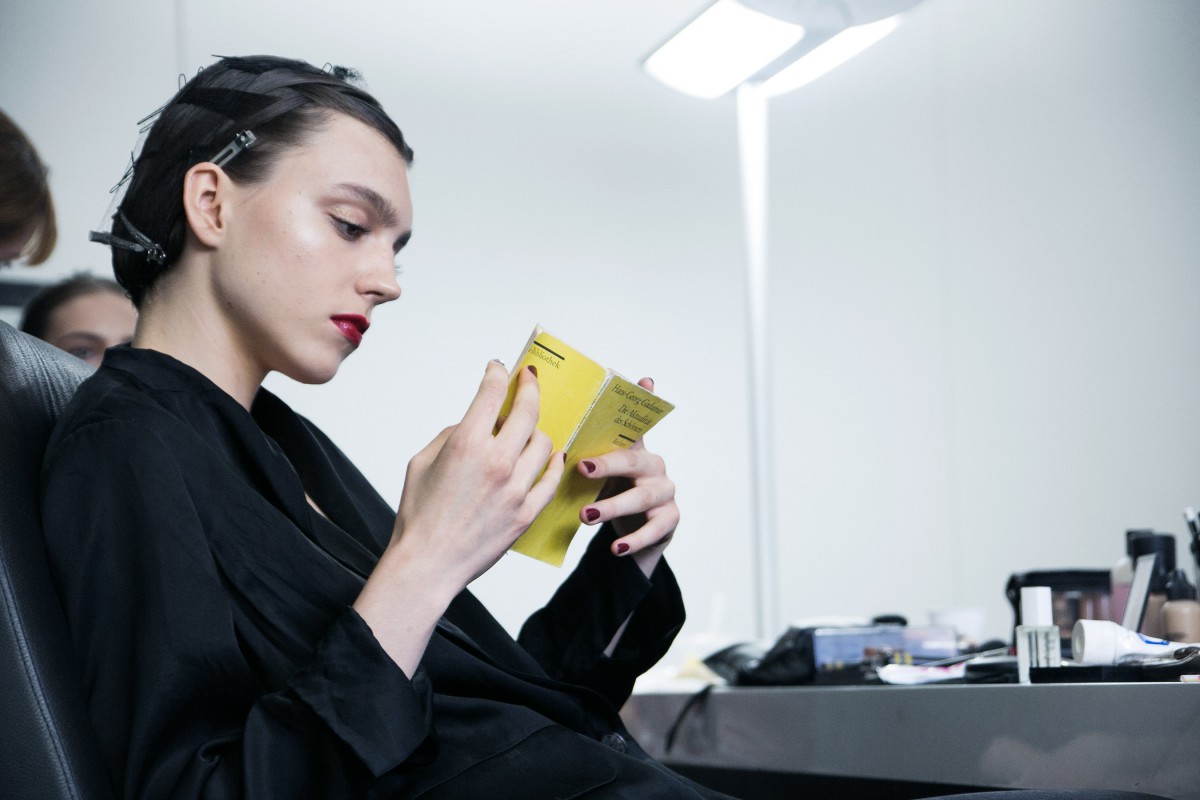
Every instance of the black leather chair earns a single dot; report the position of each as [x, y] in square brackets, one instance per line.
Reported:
[47, 748]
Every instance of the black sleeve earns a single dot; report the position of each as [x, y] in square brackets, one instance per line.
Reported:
[568, 636]
[177, 706]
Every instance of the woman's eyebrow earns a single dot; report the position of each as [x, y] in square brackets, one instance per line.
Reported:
[385, 210]
[401, 242]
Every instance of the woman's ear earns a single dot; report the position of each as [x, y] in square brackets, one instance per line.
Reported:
[205, 187]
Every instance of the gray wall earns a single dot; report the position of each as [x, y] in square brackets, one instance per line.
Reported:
[983, 252]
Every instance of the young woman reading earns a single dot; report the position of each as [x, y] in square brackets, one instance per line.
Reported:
[251, 618]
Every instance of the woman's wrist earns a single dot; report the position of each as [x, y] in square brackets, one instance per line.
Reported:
[401, 602]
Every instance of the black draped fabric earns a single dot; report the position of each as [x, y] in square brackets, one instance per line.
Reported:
[210, 606]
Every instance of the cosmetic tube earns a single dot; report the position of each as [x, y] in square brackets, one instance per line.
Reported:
[1100, 642]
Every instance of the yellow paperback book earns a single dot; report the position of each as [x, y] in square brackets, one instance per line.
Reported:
[587, 411]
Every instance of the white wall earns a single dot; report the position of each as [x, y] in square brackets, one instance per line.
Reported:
[984, 251]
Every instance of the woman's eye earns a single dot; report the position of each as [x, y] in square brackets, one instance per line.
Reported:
[349, 229]
[85, 353]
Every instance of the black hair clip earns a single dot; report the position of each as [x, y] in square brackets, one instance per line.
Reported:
[141, 243]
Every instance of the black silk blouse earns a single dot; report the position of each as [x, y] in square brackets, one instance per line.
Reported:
[209, 607]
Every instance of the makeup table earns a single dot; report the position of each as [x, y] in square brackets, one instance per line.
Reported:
[914, 741]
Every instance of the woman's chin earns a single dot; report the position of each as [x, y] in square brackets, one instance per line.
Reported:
[313, 373]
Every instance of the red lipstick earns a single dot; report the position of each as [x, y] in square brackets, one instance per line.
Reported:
[352, 326]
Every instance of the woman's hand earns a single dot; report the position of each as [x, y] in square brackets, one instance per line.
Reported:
[638, 498]
[467, 497]
[469, 494]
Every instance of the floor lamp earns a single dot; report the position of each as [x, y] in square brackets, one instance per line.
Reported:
[763, 48]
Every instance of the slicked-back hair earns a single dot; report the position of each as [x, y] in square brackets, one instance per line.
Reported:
[282, 101]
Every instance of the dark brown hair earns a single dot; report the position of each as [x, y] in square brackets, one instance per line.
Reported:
[35, 320]
[25, 201]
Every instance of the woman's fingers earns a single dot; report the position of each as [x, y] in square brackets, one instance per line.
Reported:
[516, 455]
[638, 498]
[633, 462]
[488, 400]
[657, 530]
[542, 492]
[519, 426]
[532, 459]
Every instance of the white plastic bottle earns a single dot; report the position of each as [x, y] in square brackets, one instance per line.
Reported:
[1037, 637]
[1100, 642]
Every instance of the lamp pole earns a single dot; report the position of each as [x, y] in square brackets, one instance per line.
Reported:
[752, 153]
[796, 43]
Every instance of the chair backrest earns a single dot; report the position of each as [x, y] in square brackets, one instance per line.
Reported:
[47, 748]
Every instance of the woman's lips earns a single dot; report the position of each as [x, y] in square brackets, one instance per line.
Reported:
[352, 326]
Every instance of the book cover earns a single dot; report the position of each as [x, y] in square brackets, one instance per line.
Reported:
[586, 410]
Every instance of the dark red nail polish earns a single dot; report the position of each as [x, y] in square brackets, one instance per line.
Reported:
[622, 549]
[591, 515]
[533, 369]
[588, 466]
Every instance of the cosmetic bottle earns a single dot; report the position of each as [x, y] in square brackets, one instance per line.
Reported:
[1037, 636]
[1100, 642]
[1121, 575]
[1163, 545]
[1181, 612]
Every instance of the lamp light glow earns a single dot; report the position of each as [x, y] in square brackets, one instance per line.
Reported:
[765, 48]
[720, 49]
[829, 55]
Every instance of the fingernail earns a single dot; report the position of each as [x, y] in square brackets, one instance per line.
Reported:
[533, 369]
[498, 361]
[588, 466]
[591, 515]
[622, 549]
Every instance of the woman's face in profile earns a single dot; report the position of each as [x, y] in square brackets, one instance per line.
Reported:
[88, 324]
[310, 252]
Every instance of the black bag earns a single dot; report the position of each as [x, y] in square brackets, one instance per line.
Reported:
[789, 662]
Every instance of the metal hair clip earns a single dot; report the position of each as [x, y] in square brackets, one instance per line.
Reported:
[141, 244]
[240, 142]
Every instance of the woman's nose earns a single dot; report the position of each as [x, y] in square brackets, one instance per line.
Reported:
[379, 281]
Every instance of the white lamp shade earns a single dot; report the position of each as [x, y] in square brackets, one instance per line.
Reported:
[828, 55]
[782, 44]
[720, 49]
